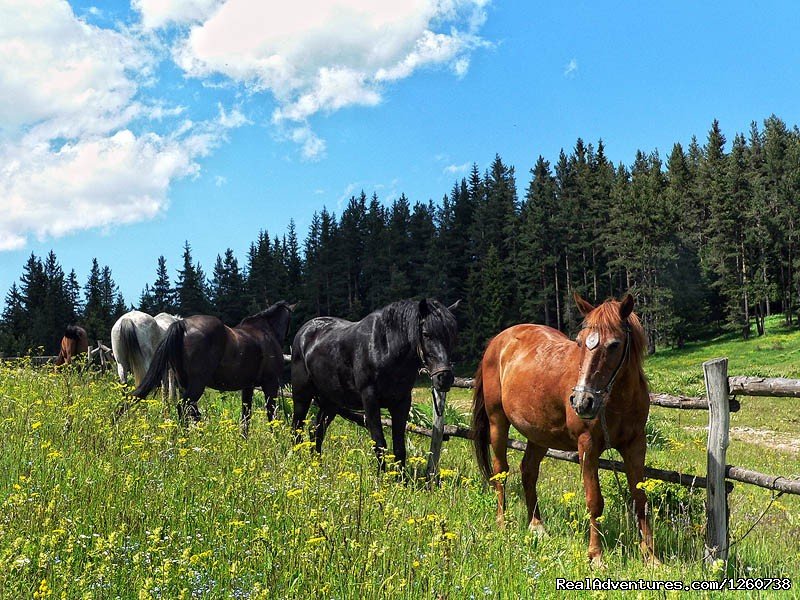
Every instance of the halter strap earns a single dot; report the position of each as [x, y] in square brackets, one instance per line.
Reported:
[606, 391]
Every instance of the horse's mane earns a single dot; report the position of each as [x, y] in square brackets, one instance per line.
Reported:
[405, 314]
[267, 313]
[73, 332]
[605, 319]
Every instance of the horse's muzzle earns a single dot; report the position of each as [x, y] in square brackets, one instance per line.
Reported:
[586, 403]
[442, 380]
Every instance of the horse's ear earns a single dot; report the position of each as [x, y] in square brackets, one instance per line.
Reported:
[583, 306]
[454, 305]
[291, 307]
[626, 307]
[424, 309]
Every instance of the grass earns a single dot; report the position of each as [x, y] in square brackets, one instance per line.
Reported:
[146, 509]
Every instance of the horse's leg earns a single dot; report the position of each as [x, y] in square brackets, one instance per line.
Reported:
[320, 428]
[270, 405]
[498, 438]
[188, 405]
[530, 474]
[589, 455]
[399, 414]
[165, 380]
[372, 419]
[247, 410]
[122, 373]
[301, 403]
[633, 457]
[173, 387]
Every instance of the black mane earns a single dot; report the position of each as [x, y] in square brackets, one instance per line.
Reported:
[73, 332]
[267, 313]
[405, 315]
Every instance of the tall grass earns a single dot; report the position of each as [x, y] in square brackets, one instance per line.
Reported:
[146, 509]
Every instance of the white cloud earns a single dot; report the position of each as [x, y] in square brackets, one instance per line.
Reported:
[319, 56]
[63, 72]
[86, 184]
[220, 180]
[234, 118]
[70, 158]
[159, 13]
[312, 146]
[455, 169]
[571, 70]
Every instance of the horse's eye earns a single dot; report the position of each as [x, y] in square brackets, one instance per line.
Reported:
[613, 345]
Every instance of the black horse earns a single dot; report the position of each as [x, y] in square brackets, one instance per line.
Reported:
[204, 352]
[372, 364]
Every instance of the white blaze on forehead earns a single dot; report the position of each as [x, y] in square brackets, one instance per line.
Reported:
[592, 340]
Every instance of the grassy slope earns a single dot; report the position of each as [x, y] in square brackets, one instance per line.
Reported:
[144, 509]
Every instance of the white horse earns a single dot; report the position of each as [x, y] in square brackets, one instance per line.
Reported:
[169, 389]
[134, 339]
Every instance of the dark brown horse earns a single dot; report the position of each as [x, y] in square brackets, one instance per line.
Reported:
[585, 395]
[74, 342]
[204, 352]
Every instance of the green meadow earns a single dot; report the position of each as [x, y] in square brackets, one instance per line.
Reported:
[144, 508]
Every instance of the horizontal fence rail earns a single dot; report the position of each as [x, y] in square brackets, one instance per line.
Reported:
[684, 479]
[656, 399]
[764, 386]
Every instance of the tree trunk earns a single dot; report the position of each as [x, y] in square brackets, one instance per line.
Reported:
[544, 297]
[558, 297]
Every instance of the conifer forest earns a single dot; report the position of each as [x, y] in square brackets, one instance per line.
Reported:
[707, 238]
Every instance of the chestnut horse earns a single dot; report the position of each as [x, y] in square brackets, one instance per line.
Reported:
[74, 342]
[585, 395]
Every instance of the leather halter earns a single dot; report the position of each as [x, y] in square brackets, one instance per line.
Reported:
[606, 391]
[425, 368]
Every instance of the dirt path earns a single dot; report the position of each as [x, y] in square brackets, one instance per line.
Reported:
[766, 438]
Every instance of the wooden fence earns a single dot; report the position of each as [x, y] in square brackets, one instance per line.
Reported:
[99, 354]
[720, 401]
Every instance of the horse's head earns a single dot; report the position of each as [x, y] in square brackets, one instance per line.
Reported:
[437, 340]
[610, 341]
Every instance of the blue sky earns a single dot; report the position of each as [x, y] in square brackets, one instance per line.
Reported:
[171, 128]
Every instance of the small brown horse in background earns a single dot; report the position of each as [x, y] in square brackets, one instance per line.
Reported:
[74, 342]
[585, 395]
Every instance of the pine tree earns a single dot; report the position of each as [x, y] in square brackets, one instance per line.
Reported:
[712, 188]
[683, 275]
[34, 292]
[163, 294]
[294, 263]
[14, 340]
[228, 298]
[377, 261]
[537, 261]
[73, 292]
[94, 311]
[423, 270]
[147, 302]
[190, 290]
[352, 238]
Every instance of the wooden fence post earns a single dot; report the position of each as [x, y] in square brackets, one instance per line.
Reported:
[437, 435]
[716, 376]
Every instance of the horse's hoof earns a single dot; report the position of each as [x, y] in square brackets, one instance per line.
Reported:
[597, 562]
[538, 530]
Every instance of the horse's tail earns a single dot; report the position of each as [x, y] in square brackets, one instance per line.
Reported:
[130, 349]
[169, 353]
[480, 425]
